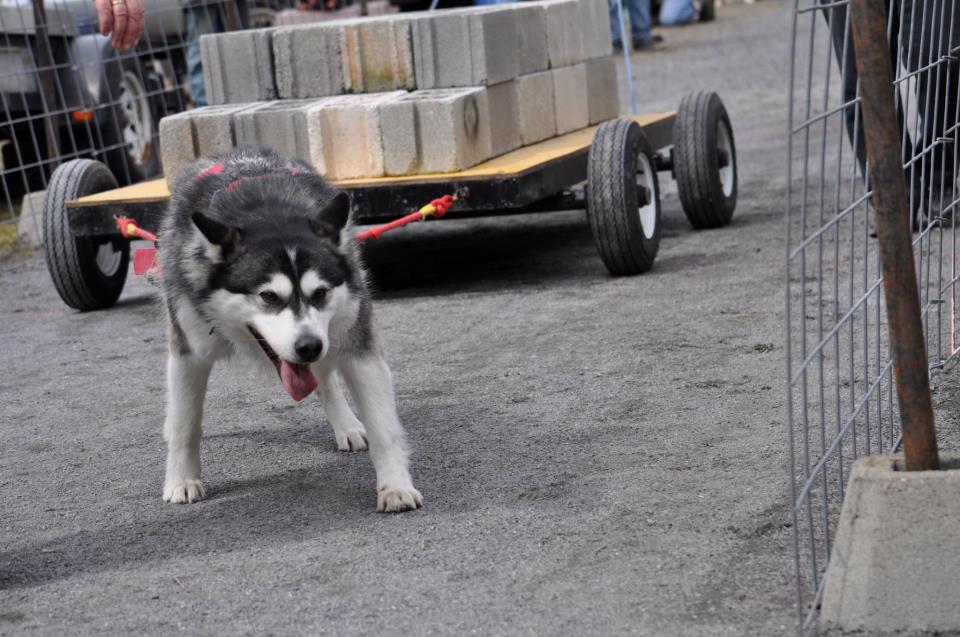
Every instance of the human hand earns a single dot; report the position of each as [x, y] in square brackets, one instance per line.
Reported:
[123, 18]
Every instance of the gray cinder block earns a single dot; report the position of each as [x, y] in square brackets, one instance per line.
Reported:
[537, 117]
[452, 128]
[504, 117]
[202, 131]
[30, 222]
[532, 55]
[377, 55]
[238, 66]
[345, 135]
[464, 47]
[308, 60]
[603, 95]
[564, 32]
[401, 144]
[281, 125]
[595, 21]
[570, 98]
[177, 146]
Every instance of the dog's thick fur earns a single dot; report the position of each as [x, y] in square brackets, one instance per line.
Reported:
[258, 262]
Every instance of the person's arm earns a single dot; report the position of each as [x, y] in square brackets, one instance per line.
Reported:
[123, 18]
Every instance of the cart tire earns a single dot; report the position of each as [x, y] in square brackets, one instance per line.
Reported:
[626, 233]
[88, 272]
[705, 160]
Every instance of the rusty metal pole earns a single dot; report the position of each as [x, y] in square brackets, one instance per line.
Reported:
[882, 132]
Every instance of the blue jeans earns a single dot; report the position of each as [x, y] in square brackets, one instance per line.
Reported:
[201, 19]
[672, 12]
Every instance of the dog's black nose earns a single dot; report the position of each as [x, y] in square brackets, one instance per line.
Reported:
[308, 348]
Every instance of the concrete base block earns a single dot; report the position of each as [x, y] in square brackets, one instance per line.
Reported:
[603, 94]
[536, 115]
[564, 32]
[570, 98]
[238, 66]
[281, 125]
[307, 61]
[30, 222]
[895, 561]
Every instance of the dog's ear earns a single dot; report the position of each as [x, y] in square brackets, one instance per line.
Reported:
[222, 239]
[332, 218]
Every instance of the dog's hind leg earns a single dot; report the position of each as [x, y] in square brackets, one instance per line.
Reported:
[187, 377]
[350, 434]
[371, 385]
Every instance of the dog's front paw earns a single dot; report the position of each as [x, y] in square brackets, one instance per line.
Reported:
[391, 499]
[183, 491]
[354, 440]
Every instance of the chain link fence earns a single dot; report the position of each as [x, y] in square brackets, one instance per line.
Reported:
[841, 400]
[66, 93]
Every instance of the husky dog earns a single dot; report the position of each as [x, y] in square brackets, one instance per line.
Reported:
[257, 259]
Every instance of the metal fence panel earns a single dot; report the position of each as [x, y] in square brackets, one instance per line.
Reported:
[841, 401]
[66, 93]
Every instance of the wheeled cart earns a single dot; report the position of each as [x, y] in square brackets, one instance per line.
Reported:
[610, 169]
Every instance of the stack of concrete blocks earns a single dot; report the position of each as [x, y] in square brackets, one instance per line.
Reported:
[404, 94]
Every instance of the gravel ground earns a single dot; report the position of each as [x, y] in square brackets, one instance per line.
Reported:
[598, 455]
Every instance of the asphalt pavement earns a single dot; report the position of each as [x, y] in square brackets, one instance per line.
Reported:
[598, 455]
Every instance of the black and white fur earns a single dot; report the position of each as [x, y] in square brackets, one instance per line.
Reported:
[267, 244]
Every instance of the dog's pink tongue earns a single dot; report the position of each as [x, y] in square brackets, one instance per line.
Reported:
[298, 380]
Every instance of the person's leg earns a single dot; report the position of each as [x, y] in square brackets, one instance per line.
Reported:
[676, 12]
[197, 23]
[641, 23]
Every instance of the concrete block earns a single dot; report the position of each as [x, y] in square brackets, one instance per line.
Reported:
[452, 128]
[532, 54]
[377, 55]
[536, 113]
[281, 125]
[504, 117]
[345, 134]
[441, 50]
[203, 131]
[895, 561]
[401, 144]
[308, 60]
[238, 66]
[213, 127]
[564, 32]
[30, 222]
[603, 94]
[595, 21]
[570, 98]
[177, 146]
[464, 47]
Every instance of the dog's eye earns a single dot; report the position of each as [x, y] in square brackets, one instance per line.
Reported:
[320, 296]
[270, 298]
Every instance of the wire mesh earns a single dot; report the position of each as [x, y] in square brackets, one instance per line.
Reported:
[66, 93]
[841, 401]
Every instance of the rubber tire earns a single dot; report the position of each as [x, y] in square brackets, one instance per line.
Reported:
[696, 162]
[612, 197]
[72, 260]
[120, 161]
